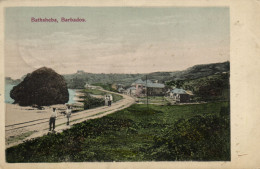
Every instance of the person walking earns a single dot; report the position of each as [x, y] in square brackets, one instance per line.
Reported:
[68, 114]
[52, 119]
[109, 101]
[106, 100]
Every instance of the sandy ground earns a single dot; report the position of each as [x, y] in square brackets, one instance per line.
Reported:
[23, 120]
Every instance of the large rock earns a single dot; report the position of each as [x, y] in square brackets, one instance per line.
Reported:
[42, 87]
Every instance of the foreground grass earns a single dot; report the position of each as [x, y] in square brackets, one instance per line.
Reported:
[19, 137]
[179, 132]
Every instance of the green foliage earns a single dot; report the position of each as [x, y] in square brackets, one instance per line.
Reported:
[209, 88]
[194, 72]
[94, 92]
[92, 102]
[116, 97]
[137, 133]
[199, 138]
[175, 83]
[212, 88]
[106, 86]
[75, 83]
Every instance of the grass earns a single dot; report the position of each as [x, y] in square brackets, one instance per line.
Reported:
[19, 137]
[94, 92]
[137, 133]
[153, 100]
[116, 97]
[93, 102]
[106, 86]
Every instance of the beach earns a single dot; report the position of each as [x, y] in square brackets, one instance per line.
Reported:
[16, 115]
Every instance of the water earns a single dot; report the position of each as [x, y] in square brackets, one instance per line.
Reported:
[8, 88]
[9, 100]
[71, 96]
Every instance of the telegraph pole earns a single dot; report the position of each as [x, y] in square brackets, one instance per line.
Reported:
[146, 93]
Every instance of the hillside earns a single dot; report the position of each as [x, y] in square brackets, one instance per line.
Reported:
[195, 72]
[78, 80]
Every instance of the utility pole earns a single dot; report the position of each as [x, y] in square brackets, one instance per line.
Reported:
[146, 93]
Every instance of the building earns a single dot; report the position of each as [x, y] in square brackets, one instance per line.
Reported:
[180, 95]
[130, 91]
[155, 89]
[121, 90]
[147, 87]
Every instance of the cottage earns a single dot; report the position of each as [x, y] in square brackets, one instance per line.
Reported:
[131, 91]
[180, 95]
[148, 87]
[121, 90]
[155, 89]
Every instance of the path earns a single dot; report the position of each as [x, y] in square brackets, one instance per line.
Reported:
[26, 130]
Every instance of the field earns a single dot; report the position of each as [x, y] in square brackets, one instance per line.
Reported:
[198, 132]
[159, 100]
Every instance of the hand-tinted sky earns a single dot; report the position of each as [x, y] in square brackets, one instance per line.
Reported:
[115, 39]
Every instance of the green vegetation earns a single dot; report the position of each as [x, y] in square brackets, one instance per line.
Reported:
[116, 97]
[92, 102]
[75, 83]
[209, 88]
[153, 100]
[179, 132]
[94, 92]
[105, 86]
[78, 80]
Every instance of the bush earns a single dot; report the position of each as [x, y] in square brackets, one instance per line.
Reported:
[137, 133]
[92, 102]
[199, 138]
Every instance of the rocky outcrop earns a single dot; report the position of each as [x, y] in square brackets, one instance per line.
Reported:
[42, 87]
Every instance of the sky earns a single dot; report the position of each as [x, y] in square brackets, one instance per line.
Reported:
[115, 39]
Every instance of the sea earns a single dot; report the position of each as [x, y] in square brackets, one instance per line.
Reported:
[9, 100]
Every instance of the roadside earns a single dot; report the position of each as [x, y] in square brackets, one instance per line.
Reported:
[23, 124]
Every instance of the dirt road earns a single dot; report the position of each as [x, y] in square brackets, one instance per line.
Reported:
[27, 123]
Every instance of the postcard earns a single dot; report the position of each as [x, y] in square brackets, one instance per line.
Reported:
[129, 85]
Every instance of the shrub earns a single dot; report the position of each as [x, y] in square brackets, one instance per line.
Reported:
[199, 138]
[92, 102]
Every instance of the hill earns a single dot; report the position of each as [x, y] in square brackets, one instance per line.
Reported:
[79, 79]
[193, 72]
[198, 71]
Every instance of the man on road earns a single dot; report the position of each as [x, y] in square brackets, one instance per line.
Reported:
[68, 114]
[52, 119]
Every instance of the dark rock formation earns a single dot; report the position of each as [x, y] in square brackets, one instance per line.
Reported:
[42, 87]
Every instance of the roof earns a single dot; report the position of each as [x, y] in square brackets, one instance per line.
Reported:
[131, 88]
[155, 85]
[121, 89]
[179, 91]
[139, 81]
[149, 83]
